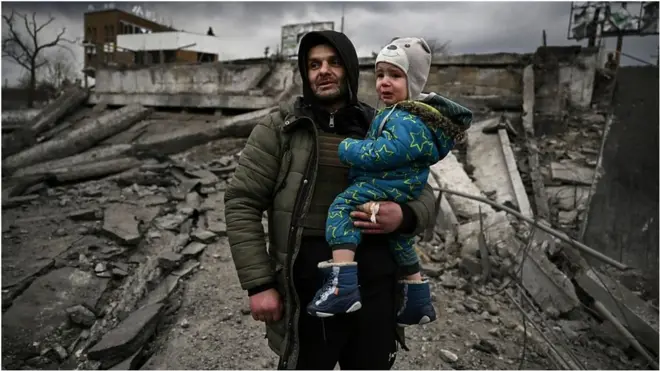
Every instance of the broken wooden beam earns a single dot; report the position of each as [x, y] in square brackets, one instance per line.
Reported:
[78, 140]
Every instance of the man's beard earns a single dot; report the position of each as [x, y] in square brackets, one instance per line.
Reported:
[336, 96]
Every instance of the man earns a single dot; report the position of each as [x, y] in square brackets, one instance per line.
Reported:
[291, 168]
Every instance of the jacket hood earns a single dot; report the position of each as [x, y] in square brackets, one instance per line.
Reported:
[441, 115]
[347, 53]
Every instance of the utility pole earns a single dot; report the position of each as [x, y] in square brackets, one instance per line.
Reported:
[341, 27]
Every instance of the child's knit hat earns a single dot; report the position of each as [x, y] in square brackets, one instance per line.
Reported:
[413, 56]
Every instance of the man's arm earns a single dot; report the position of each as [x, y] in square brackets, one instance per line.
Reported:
[403, 140]
[418, 214]
[248, 194]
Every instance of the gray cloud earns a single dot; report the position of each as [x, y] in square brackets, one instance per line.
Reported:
[246, 28]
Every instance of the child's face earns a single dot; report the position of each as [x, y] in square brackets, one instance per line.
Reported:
[391, 83]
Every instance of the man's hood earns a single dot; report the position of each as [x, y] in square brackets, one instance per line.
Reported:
[347, 53]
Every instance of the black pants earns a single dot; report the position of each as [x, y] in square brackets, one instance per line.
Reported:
[365, 339]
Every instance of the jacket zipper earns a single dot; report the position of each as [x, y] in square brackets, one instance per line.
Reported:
[293, 239]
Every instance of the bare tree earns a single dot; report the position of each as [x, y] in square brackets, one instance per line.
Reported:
[25, 48]
[58, 70]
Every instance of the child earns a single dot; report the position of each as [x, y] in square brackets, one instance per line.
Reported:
[392, 163]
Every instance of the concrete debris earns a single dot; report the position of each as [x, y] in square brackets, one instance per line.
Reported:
[82, 316]
[121, 224]
[127, 338]
[568, 172]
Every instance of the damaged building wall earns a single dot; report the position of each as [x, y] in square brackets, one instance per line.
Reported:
[208, 85]
[623, 213]
[564, 77]
[492, 81]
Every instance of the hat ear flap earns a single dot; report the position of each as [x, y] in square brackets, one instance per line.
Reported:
[425, 45]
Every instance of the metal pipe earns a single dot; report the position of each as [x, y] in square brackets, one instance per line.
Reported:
[562, 236]
[600, 308]
[554, 352]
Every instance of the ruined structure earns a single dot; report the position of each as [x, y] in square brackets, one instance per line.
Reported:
[114, 234]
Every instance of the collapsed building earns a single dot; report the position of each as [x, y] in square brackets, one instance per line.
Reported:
[111, 196]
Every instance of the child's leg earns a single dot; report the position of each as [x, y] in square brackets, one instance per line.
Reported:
[340, 292]
[417, 307]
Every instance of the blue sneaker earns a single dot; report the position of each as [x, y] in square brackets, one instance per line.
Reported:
[340, 292]
[417, 308]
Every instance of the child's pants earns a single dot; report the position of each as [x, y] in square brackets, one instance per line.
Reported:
[339, 226]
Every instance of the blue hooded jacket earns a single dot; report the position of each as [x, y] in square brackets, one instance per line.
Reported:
[404, 141]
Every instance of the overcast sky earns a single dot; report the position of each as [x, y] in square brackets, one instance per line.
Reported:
[245, 28]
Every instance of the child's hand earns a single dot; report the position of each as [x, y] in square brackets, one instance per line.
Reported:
[388, 220]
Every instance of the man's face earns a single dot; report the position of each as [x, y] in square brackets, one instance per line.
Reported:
[325, 73]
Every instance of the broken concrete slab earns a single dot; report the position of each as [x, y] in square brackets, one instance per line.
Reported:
[130, 363]
[446, 220]
[47, 300]
[546, 284]
[215, 220]
[154, 200]
[203, 236]
[214, 202]
[452, 176]
[522, 201]
[20, 264]
[638, 316]
[168, 260]
[163, 291]
[571, 173]
[186, 268]
[484, 153]
[78, 140]
[120, 223]
[569, 198]
[81, 315]
[85, 214]
[193, 249]
[192, 201]
[129, 336]
[175, 220]
[206, 177]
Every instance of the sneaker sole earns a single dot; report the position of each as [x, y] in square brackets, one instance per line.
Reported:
[353, 308]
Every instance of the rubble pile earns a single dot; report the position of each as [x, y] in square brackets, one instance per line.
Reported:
[107, 262]
[568, 160]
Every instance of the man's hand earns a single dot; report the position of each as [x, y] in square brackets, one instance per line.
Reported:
[266, 306]
[388, 220]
